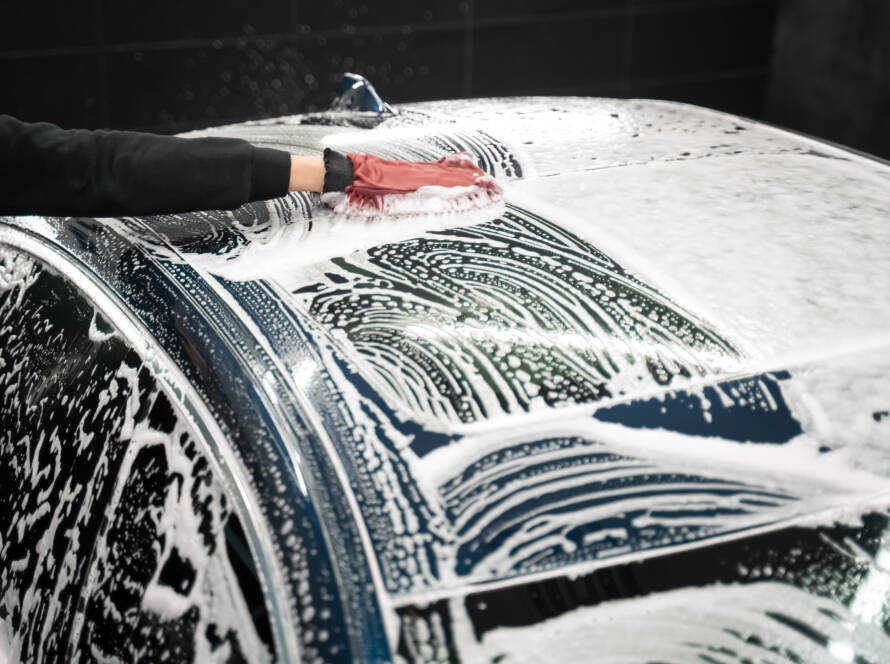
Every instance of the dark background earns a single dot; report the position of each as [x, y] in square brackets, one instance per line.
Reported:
[820, 66]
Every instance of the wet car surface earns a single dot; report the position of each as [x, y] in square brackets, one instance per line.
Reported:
[640, 412]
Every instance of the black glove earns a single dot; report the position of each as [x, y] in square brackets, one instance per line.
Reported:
[338, 171]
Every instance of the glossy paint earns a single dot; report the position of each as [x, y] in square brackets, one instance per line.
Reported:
[664, 365]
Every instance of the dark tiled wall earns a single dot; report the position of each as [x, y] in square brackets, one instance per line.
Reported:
[831, 72]
[169, 65]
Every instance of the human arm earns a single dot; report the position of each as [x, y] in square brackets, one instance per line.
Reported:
[48, 170]
[52, 171]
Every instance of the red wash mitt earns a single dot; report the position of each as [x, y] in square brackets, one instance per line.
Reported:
[362, 185]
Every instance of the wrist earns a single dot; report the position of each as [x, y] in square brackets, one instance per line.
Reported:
[306, 173]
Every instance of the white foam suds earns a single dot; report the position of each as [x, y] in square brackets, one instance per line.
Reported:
[787, 251]
[10, 644]
[763, 621]
[796, 466]
[17, 270]
[464, 203]
[288, 248]
[572, 134]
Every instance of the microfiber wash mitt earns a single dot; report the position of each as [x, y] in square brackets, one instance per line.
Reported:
[363, 185]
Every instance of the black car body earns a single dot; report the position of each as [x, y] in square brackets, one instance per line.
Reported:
[639, 414]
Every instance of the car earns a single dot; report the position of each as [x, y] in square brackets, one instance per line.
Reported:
[640, 413]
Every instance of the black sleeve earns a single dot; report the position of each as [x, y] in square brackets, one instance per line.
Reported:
[47, 170]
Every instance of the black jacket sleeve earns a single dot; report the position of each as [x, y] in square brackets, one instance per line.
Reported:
[51, 171]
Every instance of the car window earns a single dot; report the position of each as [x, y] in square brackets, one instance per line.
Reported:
[117, 537]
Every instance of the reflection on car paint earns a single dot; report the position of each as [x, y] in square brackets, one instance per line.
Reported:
[747, 409]
[798, 595]
[116, 536]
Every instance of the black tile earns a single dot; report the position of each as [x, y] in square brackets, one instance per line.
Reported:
[61, 90]
[167, 20]
[644, 5]
[412, 67]
[744, 95]
[39, 24]
[172, 89]
[500, 9]
[836, 52]
[339, 14]
[527, 58]
[702, 40]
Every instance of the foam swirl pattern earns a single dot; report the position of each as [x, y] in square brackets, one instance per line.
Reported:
[506, 317]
